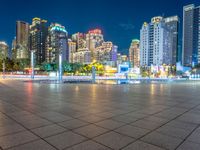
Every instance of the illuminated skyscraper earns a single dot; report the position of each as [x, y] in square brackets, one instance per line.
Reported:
[82, 56]
[107, 52]
[3, 50]
[94, 39]
[14, 50]
[71, 49]
[57, 42]
[134, 53]
[172, 23]
[22, 40]
[156, 43]
[80, 40]
[38, 37]
[191, 35]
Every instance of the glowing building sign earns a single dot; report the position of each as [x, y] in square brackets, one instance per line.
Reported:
[96, 31]
[57, 28]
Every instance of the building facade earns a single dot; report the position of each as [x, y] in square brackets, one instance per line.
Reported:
[38, 37]
[94, 39]
[22, 40]
[107, 52]
[172, 23]
[3, 50]
[72, 49]
[191, 35]
[82, 56]
[14, 50]
[134, 53]
[156, 43]
[80, 40]
[57, 43]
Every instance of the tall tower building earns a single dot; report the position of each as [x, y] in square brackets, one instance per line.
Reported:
[80, 40]
[14, 50]
[3, 50]
[134, 53]
[57, 42]
[94, 39]
[38, 37]
[191, 35]
[156, 42]
[72, 50]
[22, 40]
[172, 23]
[105, 53]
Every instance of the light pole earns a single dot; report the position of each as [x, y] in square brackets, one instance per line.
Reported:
[32, 64]
[93, 74]
[60, 68]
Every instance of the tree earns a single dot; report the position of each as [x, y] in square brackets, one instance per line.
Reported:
[46, 67]
[67, 67]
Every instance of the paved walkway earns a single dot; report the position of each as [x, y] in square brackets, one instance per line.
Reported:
[99, 117]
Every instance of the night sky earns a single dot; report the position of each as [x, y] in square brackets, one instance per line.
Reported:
[120, 20]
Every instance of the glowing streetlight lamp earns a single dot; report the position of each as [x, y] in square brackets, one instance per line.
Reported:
[60, 67]
[32, 64]
[93, 74]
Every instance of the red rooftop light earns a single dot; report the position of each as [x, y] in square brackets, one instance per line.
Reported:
[95, 31]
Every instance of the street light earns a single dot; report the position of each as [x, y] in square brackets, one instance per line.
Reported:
[32, 64]
[93, 74]
[60, 67]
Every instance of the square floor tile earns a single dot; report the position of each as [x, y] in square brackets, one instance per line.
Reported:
[161, 140]
[91, 118]
[73, 124]
[139, 145]
[182, 125]
[189, 146]
[125, 119]
[110, 124]
[173, 131]
[65, 140]
[114, 140]
[55, 117]
[48, 130]
[132, 131]
[89, 145]
[195, 137]
[36, 145]
[90, 131]
[146, 124]
[10, 129]
[17, 139]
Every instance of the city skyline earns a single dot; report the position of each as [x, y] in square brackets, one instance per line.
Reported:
[120, 27]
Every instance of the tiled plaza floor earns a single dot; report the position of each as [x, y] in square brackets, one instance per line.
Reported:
[99, 117]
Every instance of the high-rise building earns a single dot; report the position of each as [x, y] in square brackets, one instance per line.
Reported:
[38, 37]
[22, 40]
[80, 40]
[94, 39]
[57, 43]
[14, 50]
[71, 49]
[134, 53]
[191, 35]
[124, 58]
[3, 50]
[172, 23]
[156, 43]
[107, 52]
[82, 56]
